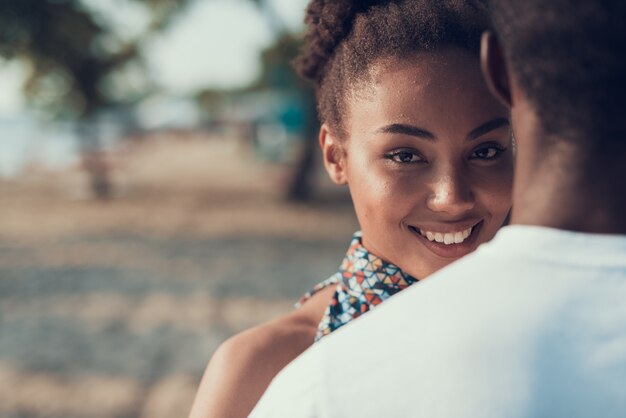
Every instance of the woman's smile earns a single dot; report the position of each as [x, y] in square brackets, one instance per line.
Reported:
[449, 240]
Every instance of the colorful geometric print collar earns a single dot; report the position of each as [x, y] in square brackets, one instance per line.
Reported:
[363, 281]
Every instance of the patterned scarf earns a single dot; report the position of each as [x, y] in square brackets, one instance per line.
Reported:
[363, 281]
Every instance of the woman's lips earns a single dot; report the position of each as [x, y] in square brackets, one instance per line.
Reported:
[455, 242]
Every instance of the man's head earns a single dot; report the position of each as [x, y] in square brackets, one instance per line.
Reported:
[568, 58]
[561, 67]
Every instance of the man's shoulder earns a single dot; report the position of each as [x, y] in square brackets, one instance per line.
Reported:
[472, 337]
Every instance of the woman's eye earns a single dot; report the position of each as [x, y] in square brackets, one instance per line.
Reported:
[405, 157]
[487, 153]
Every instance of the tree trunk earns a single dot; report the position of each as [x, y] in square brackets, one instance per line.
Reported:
[300, 188]
[94, 161]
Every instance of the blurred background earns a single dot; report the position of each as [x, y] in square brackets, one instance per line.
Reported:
[160, 190]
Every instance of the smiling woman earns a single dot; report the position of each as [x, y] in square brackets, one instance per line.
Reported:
[410, 127]
[427, 159]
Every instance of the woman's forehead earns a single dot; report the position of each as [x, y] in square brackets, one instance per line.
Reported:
[425, 89]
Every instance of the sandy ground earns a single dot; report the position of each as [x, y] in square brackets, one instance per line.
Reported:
[113, 309]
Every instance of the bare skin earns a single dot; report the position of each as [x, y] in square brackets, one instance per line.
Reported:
[244, 365]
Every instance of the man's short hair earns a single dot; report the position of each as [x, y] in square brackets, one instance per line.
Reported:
[569, 57]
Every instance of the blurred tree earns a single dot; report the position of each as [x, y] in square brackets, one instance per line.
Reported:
[277, 72]
[70, 52]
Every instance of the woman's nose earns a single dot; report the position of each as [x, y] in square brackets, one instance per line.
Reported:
[451, 194]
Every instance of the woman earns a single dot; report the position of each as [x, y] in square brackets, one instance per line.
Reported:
[426, 152]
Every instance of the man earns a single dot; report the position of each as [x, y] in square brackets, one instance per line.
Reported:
[532, 324]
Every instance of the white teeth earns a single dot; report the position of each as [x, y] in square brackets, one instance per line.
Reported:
[447, 238]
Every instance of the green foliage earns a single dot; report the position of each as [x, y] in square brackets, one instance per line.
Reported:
[69, 50]
[276, 63]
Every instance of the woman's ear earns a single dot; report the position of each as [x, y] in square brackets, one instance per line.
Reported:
[334, 156]
[494, 68]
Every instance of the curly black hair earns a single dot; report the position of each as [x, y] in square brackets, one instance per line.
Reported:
[345, 38]
[570, 60]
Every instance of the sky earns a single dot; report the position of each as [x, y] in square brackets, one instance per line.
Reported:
[213, 43]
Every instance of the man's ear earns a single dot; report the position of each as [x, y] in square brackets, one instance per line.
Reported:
[334, 156]
[494, 68]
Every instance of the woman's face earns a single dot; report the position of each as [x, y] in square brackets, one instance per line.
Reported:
[428, 160]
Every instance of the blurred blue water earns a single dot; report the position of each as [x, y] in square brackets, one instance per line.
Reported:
[24, 140]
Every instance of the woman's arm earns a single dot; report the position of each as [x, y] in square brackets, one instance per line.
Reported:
[243, 366]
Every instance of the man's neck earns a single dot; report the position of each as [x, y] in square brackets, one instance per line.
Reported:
[560, 186]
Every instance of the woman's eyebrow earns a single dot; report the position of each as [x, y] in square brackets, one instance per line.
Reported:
[401, 128]
[488, 127]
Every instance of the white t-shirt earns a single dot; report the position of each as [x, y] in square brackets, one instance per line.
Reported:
[532, 324]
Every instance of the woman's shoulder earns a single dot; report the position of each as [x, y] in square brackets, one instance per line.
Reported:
[287, 336]
[243, 366]
[270, 340]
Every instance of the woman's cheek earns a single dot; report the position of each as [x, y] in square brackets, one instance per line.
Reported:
[376, 202]
[495, 189]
